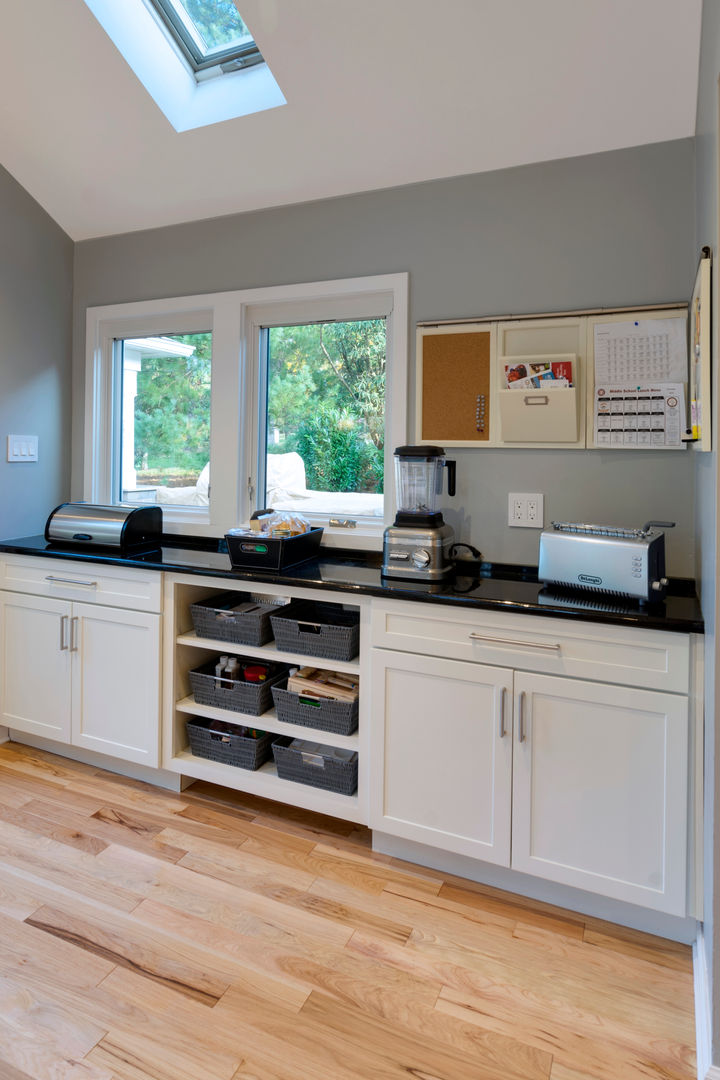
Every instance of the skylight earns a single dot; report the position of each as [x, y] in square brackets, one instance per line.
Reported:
[179, 73]
[209, 33]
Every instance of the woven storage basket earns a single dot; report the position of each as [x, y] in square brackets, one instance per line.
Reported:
[216, 618]
[227, 745]
[324, 714]
[319, 766]
[235, 694]
[316, 629]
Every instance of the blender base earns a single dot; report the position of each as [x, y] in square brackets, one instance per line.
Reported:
[417, 553]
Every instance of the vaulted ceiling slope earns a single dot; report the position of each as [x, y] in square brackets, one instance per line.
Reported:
[379, 93]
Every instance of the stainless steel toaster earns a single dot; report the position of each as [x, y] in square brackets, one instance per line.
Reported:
[603, 558]
[87, 525]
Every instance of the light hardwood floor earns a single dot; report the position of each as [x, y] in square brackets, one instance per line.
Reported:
[214, 936]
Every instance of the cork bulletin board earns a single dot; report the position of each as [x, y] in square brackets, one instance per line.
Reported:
[455, 387]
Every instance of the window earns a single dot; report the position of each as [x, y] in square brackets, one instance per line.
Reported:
[164, 420]
[209, 33]
[298, 389]
[325, 417]
[175, 47]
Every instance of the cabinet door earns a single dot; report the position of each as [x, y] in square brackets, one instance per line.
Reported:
[116, 682]
[444, 731]
[600, 789]
[35, 665]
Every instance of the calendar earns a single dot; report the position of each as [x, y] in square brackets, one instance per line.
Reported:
[646, 351]
[640, 382]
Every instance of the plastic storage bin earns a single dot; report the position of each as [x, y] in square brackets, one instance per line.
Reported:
[221, 619]
[218, 741]
[256, 551]
[327, 767]
[324, 714]
[316, 629]
[236, 694]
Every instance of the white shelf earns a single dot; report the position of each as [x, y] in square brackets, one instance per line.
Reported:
[266, 783]
[268, 721]
[268, 652]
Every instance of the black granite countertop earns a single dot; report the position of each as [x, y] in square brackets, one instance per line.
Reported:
[473, 585]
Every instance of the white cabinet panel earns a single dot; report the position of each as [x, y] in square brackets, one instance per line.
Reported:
[446, 754]
[116, 682]
[99, 583]
[600, 789]
[36, 665]
[613, 654]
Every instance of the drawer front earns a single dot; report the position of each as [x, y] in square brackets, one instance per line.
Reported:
[116, 586]
[629, 657]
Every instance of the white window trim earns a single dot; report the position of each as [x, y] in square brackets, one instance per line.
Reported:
[235, 319]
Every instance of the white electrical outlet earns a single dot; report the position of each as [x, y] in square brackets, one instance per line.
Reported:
[525, 510]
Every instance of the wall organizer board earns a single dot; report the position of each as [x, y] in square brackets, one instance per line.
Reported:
[606, 379]
[700, 355]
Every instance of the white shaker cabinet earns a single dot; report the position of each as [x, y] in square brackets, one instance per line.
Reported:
[585, 783]
[442, 772]
[116, 682]
[600, 786]
[78, 672]
[35, 643]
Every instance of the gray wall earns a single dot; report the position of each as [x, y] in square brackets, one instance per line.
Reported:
[36, 265]
[603, 230]
[707, 501]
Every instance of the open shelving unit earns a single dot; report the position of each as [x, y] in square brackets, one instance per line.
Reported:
[185, 650]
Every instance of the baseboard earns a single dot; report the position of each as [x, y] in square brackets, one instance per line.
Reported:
[703, 1021]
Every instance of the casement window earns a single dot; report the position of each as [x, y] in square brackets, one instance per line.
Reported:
[213, 406]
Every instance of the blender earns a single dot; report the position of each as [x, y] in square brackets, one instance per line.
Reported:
[417, 545]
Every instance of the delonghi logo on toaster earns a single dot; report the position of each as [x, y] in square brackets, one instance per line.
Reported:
[588, 579]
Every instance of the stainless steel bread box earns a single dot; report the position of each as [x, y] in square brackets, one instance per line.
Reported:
[89, 525]
[606, 559]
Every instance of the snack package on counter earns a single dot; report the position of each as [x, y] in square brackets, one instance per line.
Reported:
[282, 524]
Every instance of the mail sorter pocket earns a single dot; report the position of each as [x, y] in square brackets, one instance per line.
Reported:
[539, 416]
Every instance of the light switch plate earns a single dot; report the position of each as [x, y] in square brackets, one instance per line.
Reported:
[22, 447]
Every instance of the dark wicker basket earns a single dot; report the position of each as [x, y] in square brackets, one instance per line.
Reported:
[323, 767]
[317, 629]
[225, 744]
[324, 714]
[236, 694]
[217, 618]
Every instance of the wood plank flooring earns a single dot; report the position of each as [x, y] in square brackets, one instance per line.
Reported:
[214, 936]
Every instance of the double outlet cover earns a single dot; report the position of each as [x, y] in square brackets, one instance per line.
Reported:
[525, 510]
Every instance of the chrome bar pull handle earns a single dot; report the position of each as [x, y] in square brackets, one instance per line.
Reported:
[74, 633]
[71, 581]
[552, 646]
[63, 632]
[521, 716]
[503, 696]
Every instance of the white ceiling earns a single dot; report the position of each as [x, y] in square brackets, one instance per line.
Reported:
[379, 92]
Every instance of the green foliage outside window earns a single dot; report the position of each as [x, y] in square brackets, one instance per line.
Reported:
[172, 411]
[326, 396]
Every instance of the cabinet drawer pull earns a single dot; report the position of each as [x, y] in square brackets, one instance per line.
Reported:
[503, 696]
[552, 647]
[72, 581]
[521, 716]
[73, 633]
[63, 632]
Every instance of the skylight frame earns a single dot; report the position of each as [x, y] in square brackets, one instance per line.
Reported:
[187, 39]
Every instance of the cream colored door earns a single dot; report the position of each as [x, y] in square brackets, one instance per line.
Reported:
[443, 731]
[35, 663]
[116, 682]
[600, 789]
